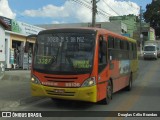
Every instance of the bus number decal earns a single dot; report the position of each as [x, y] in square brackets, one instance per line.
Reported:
[45, 59]
[72, 84]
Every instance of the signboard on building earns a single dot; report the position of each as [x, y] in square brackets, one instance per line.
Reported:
[7, 21]
[126, 34]
[24, 28]
[20, 27]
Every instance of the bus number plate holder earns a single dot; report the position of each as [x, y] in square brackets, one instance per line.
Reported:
[59, 91]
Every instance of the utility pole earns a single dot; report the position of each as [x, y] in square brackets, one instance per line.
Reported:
[94, 11]
[140, 30]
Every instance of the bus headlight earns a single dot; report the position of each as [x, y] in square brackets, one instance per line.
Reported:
[144, 53]
[35, 80]
[89, 82]
[154, 53]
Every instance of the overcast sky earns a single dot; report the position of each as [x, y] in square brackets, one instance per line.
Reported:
[67, 11]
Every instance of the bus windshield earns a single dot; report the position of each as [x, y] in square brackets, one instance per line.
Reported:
[149, 48]
[64, 53]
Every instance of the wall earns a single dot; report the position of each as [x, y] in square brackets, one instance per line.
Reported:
[7, 49]
[2, 51]
[2, 44]
[129, 20]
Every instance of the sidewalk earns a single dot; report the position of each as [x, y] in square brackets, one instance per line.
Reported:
[17, 75]
[15, 90]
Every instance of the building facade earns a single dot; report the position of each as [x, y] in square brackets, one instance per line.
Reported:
[129, 20]
[3, 26]
[116, 26]
[14, 38]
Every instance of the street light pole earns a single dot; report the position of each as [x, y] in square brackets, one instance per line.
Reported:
[140, 30]
[94, 10]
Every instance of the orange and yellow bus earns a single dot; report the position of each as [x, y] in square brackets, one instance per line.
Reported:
[84, 64]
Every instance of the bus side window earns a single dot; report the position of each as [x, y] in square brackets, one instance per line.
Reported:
[110, 47]
[110, 42]
[117, 43]
[102, 61]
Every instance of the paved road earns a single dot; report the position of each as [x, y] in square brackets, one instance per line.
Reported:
[15, 89]
[145, 96]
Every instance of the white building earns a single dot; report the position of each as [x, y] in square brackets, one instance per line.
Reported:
[14, 38]
[3, 26]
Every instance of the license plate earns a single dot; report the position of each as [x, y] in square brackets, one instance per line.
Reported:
[59, 91]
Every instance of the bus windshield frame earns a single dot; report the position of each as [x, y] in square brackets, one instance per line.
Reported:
[64, 52]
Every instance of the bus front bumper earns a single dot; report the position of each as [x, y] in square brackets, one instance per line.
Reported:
[81, 94]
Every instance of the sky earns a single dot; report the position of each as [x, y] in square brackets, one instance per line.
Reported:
[67, 11]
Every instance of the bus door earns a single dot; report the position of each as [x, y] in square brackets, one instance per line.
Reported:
[103, 74]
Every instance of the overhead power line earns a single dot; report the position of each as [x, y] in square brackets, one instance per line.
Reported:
[98, 9]
[87, 5]
[111, 8]
[127, 1]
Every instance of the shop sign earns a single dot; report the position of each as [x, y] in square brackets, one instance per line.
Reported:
[24, 28]
[20, 27]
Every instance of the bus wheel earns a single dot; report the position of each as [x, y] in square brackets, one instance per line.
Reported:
[108, 93]
[129, 87]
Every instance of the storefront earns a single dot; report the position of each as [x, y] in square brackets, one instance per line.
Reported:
[15, 38]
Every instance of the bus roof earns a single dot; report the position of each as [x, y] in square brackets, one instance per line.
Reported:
[131, 40]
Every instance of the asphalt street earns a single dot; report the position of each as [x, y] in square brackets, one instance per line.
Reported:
[143, 97]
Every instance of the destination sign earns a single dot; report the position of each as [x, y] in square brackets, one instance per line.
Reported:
[53, 39]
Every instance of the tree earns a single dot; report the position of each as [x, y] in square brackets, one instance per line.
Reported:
[152, 15]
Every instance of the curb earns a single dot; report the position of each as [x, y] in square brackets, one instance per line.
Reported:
[16, 75]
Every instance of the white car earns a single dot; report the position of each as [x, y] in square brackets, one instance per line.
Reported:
[151, 51]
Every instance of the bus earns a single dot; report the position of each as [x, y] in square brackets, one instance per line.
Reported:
[82, 64]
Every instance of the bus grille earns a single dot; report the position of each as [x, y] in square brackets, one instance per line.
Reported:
[60, 79]
[60, 94]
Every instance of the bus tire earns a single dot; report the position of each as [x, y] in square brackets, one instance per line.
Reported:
[129, 87]
[109, 92]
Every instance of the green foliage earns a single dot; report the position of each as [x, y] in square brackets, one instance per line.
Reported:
[152, 14]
